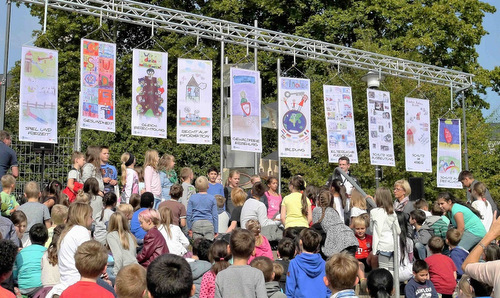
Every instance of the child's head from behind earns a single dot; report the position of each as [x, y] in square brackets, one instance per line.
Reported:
[258, 189]
[166, 216]
[176, 191]
[286, 248]
[147, 200]
[140, 173]
[420, 271]
[135, 201]
[278, 271]
[238, 196]
[453, 237]
[265, 265]
[341, 272]
[357, 200]
[91, 186]
[421, 204]
[59, 214]
[492, 252]
[8, 181]
[91, 258]
[436, 244]
[309, 240]
[201, 248]
[32, 190]
[38, 234]
[149, 218]
[380, 283]
[359, 225]
[383, 199]
[82, 197]
[219, 256]
[418, 216]
[20, 222]
[201, 184]
[253, 226]
[221, 200]
[131, 282]
[170, 276]
[126, 209]
[79, 214]
[479, 190]
[151, 158]
[186, 173]
[8, 251]
[242, 243]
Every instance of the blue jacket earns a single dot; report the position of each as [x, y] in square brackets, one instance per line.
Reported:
[458, 255]
[305, 277]
[135, 225]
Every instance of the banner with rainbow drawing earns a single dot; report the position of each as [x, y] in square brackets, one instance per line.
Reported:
[449, 153]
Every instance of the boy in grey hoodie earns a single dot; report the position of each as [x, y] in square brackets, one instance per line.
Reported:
[265, 265]
[199, 262]
[421, 234]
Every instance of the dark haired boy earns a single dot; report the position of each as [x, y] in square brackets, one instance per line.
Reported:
[419, 286]
[8, 251]
[199, 263]
[214, 188]
[307, 269]
[178, 209]
[265, 265]
[170, 276]
[286, 252]
[421, 234]
[228, 282]
[442, 270]
[457, 253]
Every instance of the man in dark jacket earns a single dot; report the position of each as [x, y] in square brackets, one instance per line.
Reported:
[344, 164]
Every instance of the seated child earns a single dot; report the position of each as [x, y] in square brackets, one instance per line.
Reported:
[58, 216]
[286, 252]
[457, 253]
[20, 222]
[154, 243]
[101, 224]
[262, 246]
[178, 209]
[50, 267]
[421, 204]
[419, 286]
[9, 202]
[438, 222]
[228, 282]
[202, 215]
[126, 209]
[380, 283]
[200, 261]
[363, 254]
[219, 256]
[341, 275]
[91, 259]
[28, 270]
[421, 233]
[9, 252]
[265, 265]
[442, 270]
[307, 269]
[169, 276]
[131, 282]
[223, 215]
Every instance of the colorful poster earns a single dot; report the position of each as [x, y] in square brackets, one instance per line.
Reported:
[294, 117]
[245, 110]
[149, 94]
[417, 135]
[380, 128]
[97, 96]
[449, 153]
[194, 101]
[339, 116]
[38, 95]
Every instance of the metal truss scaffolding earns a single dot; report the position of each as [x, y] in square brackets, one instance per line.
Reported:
[265, 40]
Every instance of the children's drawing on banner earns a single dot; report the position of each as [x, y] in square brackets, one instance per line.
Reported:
[245, 110]
[417, 135]
[380, 128]
[295, 115]
[449, 163]
[149, 96]
[194, 101]
[98, 67]
[38, 95]
[339, 123]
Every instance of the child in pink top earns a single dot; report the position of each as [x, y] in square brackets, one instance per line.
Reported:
[151, 176]
[219, 257]
[262, 246]
[273, 198]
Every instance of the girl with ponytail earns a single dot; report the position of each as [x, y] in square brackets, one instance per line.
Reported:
[380, 283]
[129, 179]
[219, 256]
[296, 208]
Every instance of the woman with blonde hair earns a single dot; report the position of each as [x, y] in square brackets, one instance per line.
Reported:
[174, 237]
[151, 176]
[402, 191]
[121, 242]
[238, 197]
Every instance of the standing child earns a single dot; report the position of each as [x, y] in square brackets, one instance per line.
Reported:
[457, 253]
[91, 187]
[50, 268]
[202, 216]
[177, 242]
[152, 181]
[92, 167]
[419, 286]
[121, 242]
[238, 197]
[219, 257]
[214, 188]
[421, 232]
[223, 215]
[233, 182]
[101, 225]
[482, 205]
[262, 246]
[75, 182]
[154, 243]
[273, 198]
[364, 252]
[168, 176]
[442, 270]
[129, 179]
[177, 208]
[341, 275]
[20, 222]
[9, 202]
[187, 177]
[265, 265]
[35, 211]
[140, 175]
[340, 199]
[296, 208]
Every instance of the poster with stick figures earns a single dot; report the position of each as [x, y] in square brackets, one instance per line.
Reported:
[38, 95]
[380, 128]
[417, 135]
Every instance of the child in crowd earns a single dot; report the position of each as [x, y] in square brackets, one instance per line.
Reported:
[278, 274]
[380, 283]
[214, 188]
[74, 182]
[20, 222]
[92, 167]
[90, 259]
[9, 252]
[82, 197]
[286, 252]
[341, 275]
[202, 216]
[438, 222]
[91, 187]
[58, 216]
[311, 192]
[419, 286]
[147, 201]
[9, 202]
[152, 182]
[233, 182]
[306, 270]
[131, 282]
[129, 179]
[28, 265]
[273, 198]
[443, 272]
[481, 204]
[340, 199]
[127, 210]
[178, 209]
[50, 268]
[262, 246]
[170, 276]
[200, 261]
[421, 204]
[223, 215]
[238, 197]
[188, 189]
[168, 176]
[101, 225]
[140, 176]
[135, 201]
[52, 194]
[421, 232]
[228, 282]
[364, 252]
[358, 204]
[177, 242]
[219, 257]
[296, 208]
[457, 253]
[154, 243]
[265, 265]
[121, 242]
[35, 211]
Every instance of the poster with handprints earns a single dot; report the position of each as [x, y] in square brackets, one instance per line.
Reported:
[245, 110]
[294, 106]
[339, 115]
[449, 153]
[417, 135]
[97, 95]
[194, 101]
[38, 95]
[149, 93]
[380, 128]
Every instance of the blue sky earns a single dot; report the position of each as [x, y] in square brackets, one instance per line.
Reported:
[23, 25]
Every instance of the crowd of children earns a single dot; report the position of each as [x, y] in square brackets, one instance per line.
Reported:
[154, 231]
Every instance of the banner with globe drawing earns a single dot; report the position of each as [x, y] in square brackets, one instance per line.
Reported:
[295, 117]
[418, 135]
[380, 128]
[245, 110]
[449, 153]
[149, 93]
[339, 116]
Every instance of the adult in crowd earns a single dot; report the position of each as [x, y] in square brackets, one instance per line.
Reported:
[465, 177]
[109, 172]
[345, 165]
[8, 157]
[92, 167]
[402, 191]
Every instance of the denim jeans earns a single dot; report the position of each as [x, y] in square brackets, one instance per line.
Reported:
[422, 250]
[469, 240]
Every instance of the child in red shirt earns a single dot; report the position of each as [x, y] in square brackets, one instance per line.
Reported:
[363, 254]
[442, 270]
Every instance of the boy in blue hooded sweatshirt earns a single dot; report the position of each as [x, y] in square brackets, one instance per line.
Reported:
[307, 269]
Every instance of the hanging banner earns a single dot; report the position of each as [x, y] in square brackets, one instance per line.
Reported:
[194, 101]
[449, 153]
[149, 93]
[418, 135]
[295, 117]
[38, 95]
[97, 96]
[339, 116]
[380, 128]
[245, 110]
